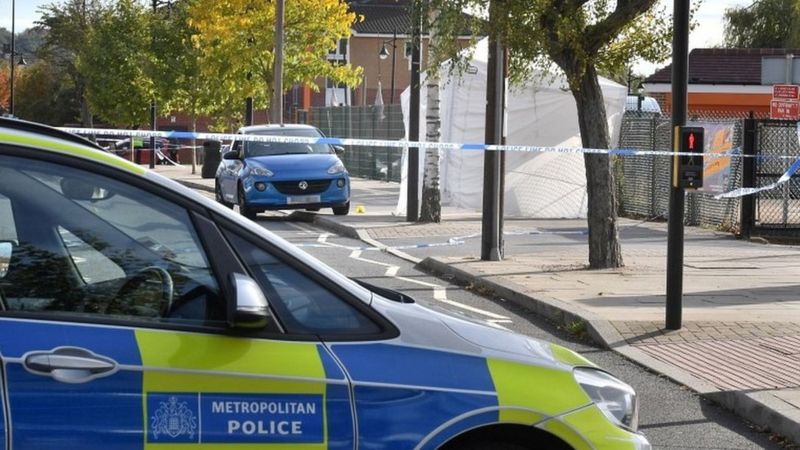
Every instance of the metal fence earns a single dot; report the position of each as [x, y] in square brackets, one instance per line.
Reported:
[364, 122]
[643, 182]
[777, 211]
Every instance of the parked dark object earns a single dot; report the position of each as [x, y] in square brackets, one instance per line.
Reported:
[211, 158]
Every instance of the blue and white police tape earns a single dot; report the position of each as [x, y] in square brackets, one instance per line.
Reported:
[741, 192]
[400, 144]
[533, 232]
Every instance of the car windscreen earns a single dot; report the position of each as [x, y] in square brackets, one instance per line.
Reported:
[252, 149]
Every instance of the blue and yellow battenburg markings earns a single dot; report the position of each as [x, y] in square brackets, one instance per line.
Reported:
[188, 390]
[224, 397]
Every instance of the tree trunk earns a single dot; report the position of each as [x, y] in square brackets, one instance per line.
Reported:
[431, 208]
[604, 247]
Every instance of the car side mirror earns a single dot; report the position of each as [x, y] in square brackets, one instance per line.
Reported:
[250, 310]
[338, 149]
[232, 155]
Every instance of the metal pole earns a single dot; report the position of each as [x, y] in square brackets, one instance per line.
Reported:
[394, 57]
[152, 138]
[153, 101]
[13, 53]
[746, 220]
[391, 102]
[248, 111]
[277, 93]
[492, 160]
[412, 198]
[680, 77]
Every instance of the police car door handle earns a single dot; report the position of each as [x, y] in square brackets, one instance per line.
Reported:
[69, 364]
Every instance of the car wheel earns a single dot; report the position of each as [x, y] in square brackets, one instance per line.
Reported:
[218, 196]
[486, 445]
[342, 210]
[313, 209]
[243, 208]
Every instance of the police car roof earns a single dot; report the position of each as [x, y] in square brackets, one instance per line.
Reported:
[33, 127]
[275, 127]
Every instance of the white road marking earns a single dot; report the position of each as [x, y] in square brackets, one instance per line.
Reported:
[439, 292]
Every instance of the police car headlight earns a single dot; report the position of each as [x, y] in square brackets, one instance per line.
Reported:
[261, 171]
[336, 168]
[616, 399]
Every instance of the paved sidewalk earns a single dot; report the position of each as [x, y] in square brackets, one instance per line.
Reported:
[740, 343]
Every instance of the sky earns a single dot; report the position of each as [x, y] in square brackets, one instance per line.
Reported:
[708, 33]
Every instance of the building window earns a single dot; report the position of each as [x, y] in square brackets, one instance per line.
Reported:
[340, 52]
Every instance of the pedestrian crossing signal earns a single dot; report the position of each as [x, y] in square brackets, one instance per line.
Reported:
[687, 171]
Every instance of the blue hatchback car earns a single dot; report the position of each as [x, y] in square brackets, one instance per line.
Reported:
[259, 176]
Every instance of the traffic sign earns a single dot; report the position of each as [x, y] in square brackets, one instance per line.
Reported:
[784, 110]
[785, 92]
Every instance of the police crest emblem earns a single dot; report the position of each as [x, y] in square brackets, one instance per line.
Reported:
[173, 418]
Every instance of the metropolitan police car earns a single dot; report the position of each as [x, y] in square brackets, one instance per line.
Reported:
[138, 314]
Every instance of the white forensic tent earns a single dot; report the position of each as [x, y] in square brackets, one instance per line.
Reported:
[540, 113]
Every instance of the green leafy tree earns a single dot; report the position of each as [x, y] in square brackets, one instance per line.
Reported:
[65, 28]
[236, 41]
[115, 64]
[179, 84]
[763, 24]
[43, 93]
[175, 65]
[581, 38]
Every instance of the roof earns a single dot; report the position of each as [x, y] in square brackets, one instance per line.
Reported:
[275, 126]
[723, 65]
[382, 16]
[34, 127]
[385, 17]
[44, 138]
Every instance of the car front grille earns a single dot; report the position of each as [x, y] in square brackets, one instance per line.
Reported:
[293, 187]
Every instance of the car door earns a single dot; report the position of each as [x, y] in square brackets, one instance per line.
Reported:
[114, 325]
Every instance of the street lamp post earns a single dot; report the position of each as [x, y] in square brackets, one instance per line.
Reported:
[383, 54]
[153, 116]
[13, 52]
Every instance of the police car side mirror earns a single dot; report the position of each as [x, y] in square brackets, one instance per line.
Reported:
[250, 310]
[338, 149]
[233, 154]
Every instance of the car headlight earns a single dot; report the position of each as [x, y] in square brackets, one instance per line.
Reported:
[261, 171]
[336, 168]
[616, 399]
